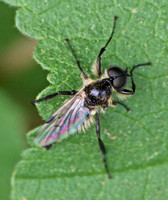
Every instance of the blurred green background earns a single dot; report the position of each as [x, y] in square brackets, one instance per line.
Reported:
[21, 79]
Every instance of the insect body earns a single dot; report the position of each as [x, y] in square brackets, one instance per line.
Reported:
[78, 112]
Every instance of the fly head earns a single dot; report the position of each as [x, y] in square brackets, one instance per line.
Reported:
[118, 77]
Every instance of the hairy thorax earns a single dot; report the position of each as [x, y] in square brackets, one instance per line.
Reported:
[98, 94]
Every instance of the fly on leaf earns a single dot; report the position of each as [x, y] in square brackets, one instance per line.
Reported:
[78, 112]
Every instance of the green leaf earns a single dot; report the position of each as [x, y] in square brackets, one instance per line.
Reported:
[137, 142]
[11, 141]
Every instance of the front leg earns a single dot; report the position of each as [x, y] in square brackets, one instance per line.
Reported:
[131, 92]
[98, 69]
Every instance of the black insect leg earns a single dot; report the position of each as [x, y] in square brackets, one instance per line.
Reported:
[48, 146]
[101, 145]
[131, 92]
[50, 96]
[98, 62]
[122, 104]
[77, 61]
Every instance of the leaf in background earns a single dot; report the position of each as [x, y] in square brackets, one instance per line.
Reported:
[137, 151]
[11, 143]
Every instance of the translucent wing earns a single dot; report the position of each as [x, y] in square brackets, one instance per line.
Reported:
[64, 122]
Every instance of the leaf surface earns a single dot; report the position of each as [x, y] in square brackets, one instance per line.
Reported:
[137, 142]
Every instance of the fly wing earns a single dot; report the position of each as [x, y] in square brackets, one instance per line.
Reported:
[64, 122]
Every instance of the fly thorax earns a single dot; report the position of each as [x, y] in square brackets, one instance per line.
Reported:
[98, 93]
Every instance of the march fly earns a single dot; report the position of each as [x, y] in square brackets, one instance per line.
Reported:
[83, 108]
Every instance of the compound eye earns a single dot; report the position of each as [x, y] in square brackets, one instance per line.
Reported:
[119, 81]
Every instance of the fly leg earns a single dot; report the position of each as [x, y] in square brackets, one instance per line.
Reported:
[102, 50]
[131, 92]
[50, 96]
[101, 145]
[122, 104]
[77, 61]
[48, 146]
